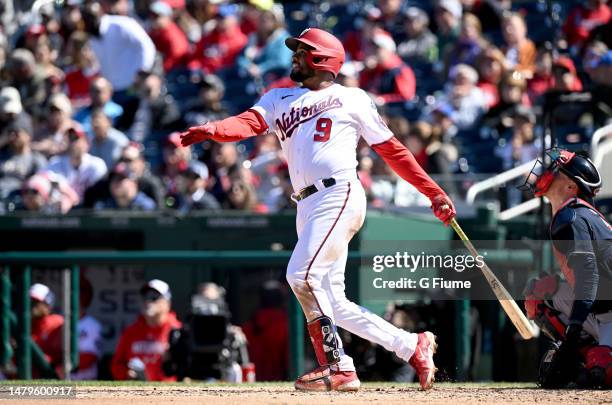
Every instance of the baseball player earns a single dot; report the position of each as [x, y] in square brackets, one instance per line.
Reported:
[318, 126]
[582, 245]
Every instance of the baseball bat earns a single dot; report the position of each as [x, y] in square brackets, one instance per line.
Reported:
[518, 318]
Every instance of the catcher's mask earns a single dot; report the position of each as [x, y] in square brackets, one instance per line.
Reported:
[578, 168]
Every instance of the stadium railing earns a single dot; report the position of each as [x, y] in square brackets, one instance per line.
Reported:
[70, 262]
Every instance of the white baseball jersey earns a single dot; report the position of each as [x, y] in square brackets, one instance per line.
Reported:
[319, 130]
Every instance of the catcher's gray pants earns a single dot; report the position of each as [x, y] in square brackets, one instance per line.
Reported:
[599, 326]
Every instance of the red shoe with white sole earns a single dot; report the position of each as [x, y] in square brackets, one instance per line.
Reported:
[422, 359]
[325, 379]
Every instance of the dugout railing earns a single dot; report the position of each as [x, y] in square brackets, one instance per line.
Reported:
[20, 264]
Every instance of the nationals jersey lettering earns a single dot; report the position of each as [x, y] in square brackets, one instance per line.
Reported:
[319, 130]
[296, 116]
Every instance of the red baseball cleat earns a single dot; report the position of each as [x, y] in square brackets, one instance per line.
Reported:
[324, 379]
[422, 359]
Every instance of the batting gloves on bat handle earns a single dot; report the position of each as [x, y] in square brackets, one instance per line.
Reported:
[443, 208]
[197, 134]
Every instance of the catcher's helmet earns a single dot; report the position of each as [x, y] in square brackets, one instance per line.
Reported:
[326, 53]
[577, 167]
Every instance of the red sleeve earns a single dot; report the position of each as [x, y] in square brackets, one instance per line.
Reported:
[119, 368]
[249, 123]
[395, 154]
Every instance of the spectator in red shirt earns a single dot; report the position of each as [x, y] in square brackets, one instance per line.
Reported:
[81, 71]
[542, 77]
[46, 326]
[583, 19]
[491, 67]
[386, 75]
[249, 17]
[168, 38]
[143, 344]
[219, 47]
[565, 77]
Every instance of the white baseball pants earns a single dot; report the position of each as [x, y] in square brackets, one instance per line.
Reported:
[326, 221]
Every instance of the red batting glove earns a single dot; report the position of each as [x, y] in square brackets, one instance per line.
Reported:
[197, 134]
[443, 208]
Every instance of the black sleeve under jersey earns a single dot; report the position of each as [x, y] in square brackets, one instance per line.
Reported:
[573, 238]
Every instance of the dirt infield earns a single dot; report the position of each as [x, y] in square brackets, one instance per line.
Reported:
[372, 393]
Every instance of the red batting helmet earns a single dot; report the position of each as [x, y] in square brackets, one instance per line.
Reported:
[326, 53]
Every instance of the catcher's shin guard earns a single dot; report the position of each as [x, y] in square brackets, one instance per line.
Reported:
[599, 366]
[324, 341]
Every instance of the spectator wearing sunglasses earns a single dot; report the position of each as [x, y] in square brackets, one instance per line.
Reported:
[44, 193]
[143, 344]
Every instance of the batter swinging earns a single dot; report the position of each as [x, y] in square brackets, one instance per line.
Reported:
[318, 126]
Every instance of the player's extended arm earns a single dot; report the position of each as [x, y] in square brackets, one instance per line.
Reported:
[233, 129]
[405, 165]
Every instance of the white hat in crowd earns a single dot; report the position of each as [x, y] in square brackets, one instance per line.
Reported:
[161, 8]
[157, 285]
[41, 292]
[452, 6]
[10, 101]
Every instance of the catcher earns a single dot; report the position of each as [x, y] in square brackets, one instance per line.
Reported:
[575, 313]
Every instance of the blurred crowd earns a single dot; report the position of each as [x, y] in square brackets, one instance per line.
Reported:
[157, 346]
[95, 93]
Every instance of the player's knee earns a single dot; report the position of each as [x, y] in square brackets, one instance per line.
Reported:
[294, 280]
[297, 281]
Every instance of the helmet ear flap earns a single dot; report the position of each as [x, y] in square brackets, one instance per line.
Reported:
[310, 60]
[314, 61]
